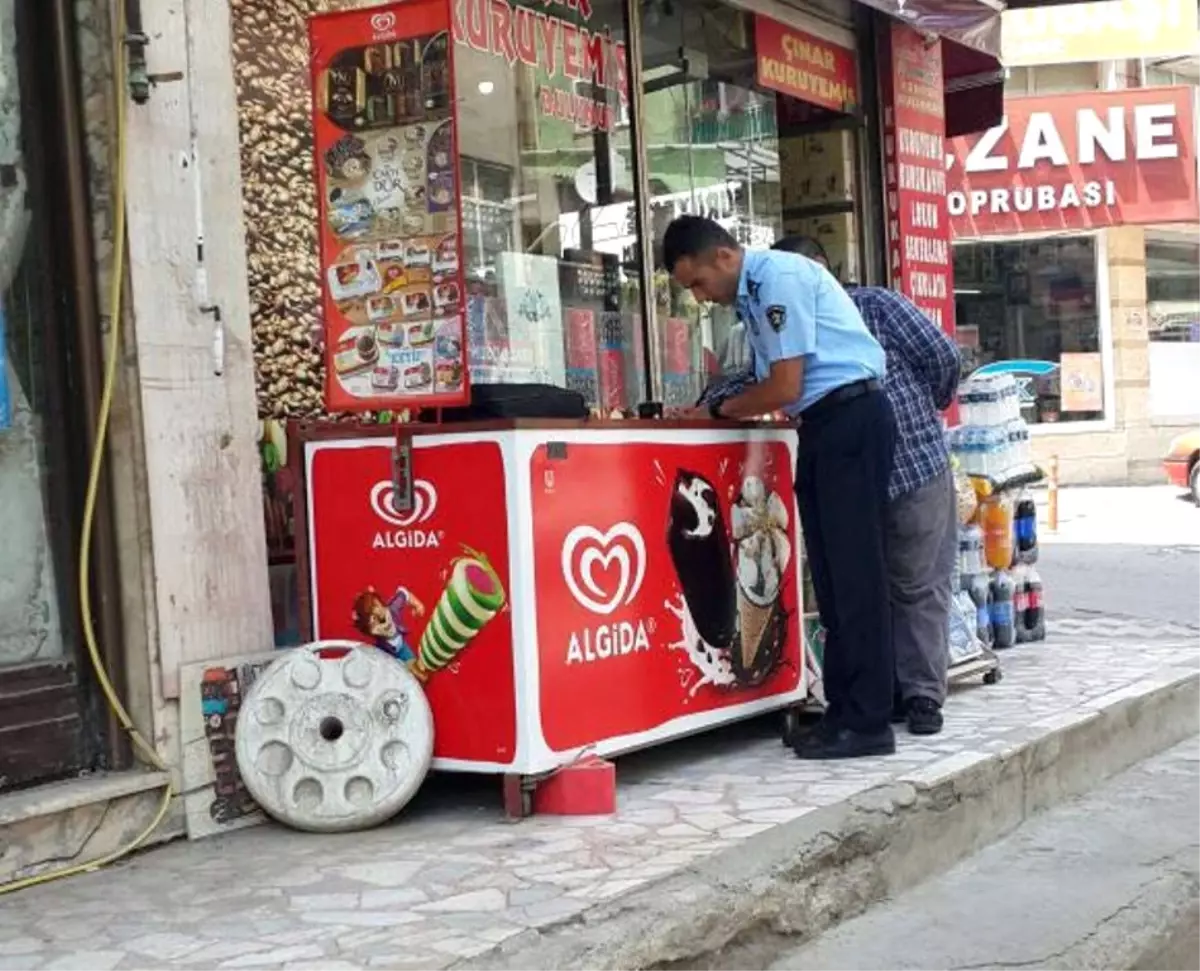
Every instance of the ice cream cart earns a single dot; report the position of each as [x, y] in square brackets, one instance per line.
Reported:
[560, 587]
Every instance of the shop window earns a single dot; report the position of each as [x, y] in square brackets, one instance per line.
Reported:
[548, 210]
[1017, 80]
[1157, 77]
[760, 163]
[1030, 307]
[1051, 79]
[1063, 78]
[1173, 324]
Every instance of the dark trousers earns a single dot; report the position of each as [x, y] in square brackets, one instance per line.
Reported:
[842, 474]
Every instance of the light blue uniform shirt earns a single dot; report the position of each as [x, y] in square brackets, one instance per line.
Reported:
[793, 307]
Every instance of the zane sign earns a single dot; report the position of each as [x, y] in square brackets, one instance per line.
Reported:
[1077, 161]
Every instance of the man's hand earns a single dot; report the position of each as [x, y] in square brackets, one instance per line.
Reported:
[782, 387]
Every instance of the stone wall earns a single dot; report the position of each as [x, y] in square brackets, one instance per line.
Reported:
[271, 71]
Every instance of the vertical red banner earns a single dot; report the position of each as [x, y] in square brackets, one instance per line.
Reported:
[920, 261]
[677, 348]
[386, 162]
[581, 338]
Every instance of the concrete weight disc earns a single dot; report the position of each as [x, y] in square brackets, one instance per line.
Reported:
[334, 736]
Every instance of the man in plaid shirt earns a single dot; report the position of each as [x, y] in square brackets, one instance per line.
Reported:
[922, 520]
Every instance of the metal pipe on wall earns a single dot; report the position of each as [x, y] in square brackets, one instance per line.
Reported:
[82, 305]
[135, 41]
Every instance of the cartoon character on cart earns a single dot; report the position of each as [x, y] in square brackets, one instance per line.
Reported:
[473, 595]
[385, 623]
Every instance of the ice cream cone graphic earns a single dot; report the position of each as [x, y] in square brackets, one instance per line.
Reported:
[763, 551]
[753, 621]
[472, 597]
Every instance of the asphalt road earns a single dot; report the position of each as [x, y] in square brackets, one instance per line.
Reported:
[1132, 553]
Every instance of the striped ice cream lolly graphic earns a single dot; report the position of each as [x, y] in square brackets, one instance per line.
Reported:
[473, 596]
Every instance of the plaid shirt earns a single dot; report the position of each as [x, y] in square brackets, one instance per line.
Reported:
[922, 374]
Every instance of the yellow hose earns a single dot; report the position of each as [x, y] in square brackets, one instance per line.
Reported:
[148, 752]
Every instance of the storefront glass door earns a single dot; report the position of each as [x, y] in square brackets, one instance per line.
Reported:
[42, 731]
[721, 145]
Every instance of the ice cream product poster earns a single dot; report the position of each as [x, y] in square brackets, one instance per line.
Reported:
[533, 305]
[428, 584]
[666, 584]
[386, 162]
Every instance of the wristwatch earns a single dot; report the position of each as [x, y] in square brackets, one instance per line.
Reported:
[714, 409]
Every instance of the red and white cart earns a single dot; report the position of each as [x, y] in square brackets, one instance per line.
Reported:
[561, 587]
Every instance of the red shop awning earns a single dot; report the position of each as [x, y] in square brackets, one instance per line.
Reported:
[974, 99]
[970, 32]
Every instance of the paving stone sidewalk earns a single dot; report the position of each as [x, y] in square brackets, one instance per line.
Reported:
[451, 880]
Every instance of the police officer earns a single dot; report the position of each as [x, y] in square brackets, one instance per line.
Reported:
[815, 359]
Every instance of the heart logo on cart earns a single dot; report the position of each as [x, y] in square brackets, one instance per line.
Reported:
[383, 23]
[622, 549]
[424, 503]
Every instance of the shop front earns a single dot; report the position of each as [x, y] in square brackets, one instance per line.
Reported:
[468, 199]
[435, 207]
[1075, 226]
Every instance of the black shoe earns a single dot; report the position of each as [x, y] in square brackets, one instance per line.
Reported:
[924, 716]
[821, 728]
[845, 744]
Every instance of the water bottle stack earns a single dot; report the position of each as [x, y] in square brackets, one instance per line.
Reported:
[993, 439]
[998, 546]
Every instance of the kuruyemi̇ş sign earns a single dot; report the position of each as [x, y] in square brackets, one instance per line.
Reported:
[1077, 161]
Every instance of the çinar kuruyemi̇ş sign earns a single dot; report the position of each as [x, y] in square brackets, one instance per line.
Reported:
[384, 124]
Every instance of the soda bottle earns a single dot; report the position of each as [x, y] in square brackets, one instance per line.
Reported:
[1020, 576]
[1004, 628]
[970, 551]
[996, 517]
[1025, 527]
[981, 596]
[1034, 620]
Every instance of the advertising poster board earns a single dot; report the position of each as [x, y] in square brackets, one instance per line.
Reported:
[1077, 162]
[1106, 30]
[386, 161]
[1081, 381]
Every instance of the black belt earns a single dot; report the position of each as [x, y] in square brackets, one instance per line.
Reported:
[839, 396]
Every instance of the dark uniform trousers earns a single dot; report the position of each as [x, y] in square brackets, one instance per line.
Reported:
[842, 472]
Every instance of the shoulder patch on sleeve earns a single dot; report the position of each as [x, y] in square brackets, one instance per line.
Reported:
[776, 316]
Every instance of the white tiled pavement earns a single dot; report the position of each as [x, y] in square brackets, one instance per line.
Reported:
[451, 879]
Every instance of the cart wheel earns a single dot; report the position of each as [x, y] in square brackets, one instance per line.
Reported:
[993, 677]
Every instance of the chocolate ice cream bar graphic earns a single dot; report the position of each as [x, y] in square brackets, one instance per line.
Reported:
[473, 596]
[699, 546]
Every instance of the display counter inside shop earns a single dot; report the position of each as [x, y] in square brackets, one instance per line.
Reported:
[560, 587]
